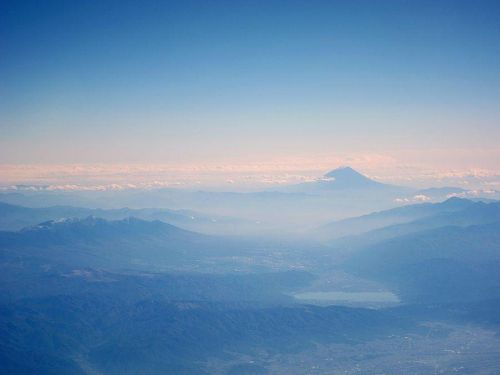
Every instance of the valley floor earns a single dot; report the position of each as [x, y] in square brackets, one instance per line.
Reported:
[439, 348]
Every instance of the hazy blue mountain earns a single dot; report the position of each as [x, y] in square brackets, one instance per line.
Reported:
[15, 217]
[340, 194]
[341, 180]
[122, 259]
[95, 242]
[214, 212]
[475, 214]
[348, 178]
[150, 245]
[399, 215]
[445, 264]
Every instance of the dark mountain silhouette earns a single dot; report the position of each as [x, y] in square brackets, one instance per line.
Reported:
[344, 180]
[348, 178]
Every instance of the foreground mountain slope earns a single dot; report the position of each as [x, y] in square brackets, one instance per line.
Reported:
[89, 334]
[158, 337]
[445, 264]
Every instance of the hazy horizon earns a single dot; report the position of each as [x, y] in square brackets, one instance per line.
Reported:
[240, 177]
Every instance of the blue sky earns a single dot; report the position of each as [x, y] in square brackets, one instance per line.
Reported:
[237, 81]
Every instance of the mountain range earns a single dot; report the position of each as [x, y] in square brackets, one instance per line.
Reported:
[340, 193]
[291, 209]
[446, 264]
[96, 242]
[89, 295]
[15, 217]
[406, 214]
[431, 252]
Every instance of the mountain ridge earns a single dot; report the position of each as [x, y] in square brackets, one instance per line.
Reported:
[394, 216]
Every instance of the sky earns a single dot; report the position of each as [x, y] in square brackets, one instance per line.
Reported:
[391, 87]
